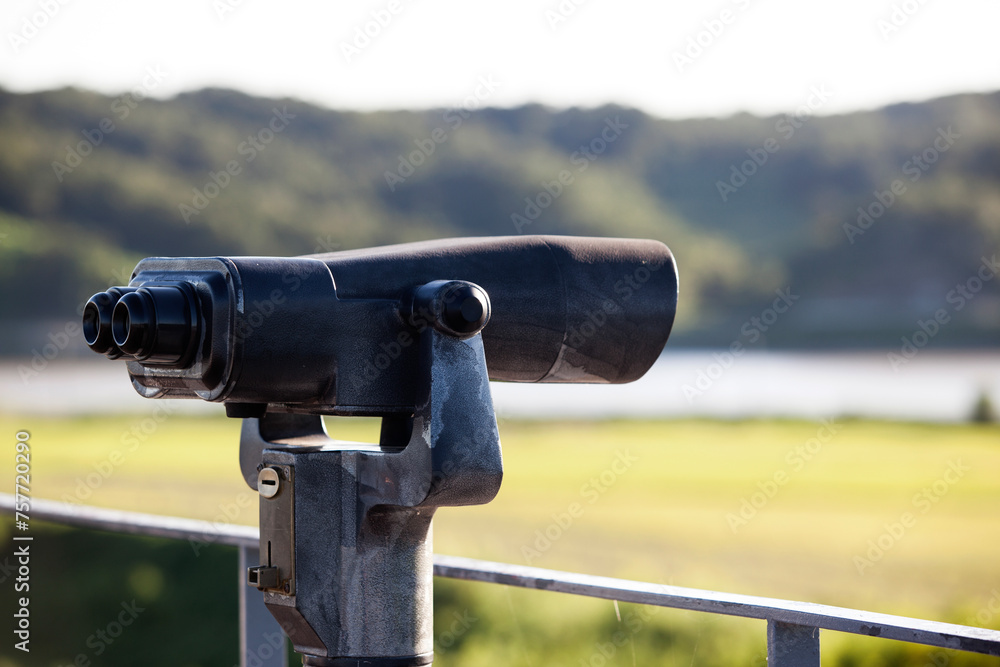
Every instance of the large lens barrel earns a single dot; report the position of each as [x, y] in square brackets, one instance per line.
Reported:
[564, 308]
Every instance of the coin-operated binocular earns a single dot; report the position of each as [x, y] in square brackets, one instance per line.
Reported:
[410, 333]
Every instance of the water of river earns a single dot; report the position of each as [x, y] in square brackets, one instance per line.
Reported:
[932, 386]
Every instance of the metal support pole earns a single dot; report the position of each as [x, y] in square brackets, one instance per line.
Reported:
[790, 645]
[262, 642]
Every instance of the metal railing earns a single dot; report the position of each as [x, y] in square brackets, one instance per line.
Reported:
[792, 627]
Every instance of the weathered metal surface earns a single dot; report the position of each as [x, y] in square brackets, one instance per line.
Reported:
[791, 645]
[363, 561]
[277, 531]
[931, 633]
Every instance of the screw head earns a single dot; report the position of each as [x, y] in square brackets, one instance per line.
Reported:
[268, 482]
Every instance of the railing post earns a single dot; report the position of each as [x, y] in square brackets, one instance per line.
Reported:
[262, 642]
[791, 645]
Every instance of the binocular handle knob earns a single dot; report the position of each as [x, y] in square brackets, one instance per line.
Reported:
[454, 307]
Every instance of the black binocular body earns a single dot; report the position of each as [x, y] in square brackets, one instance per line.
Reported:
[338, 333]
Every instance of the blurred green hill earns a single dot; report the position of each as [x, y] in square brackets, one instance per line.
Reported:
[89, 184]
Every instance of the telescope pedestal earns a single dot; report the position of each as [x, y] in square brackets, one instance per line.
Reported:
[345, 541]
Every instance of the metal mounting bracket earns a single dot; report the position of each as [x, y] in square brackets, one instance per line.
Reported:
[358, 517]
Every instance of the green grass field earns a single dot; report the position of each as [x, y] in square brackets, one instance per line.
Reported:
[897, 518]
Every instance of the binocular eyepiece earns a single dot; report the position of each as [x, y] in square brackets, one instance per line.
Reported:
[339, 333]
[156, 325]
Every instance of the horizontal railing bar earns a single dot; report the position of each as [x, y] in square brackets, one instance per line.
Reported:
[136, 523]
[931, 633]
[886, 626]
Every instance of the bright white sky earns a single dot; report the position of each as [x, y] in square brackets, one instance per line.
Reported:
[432, 53]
